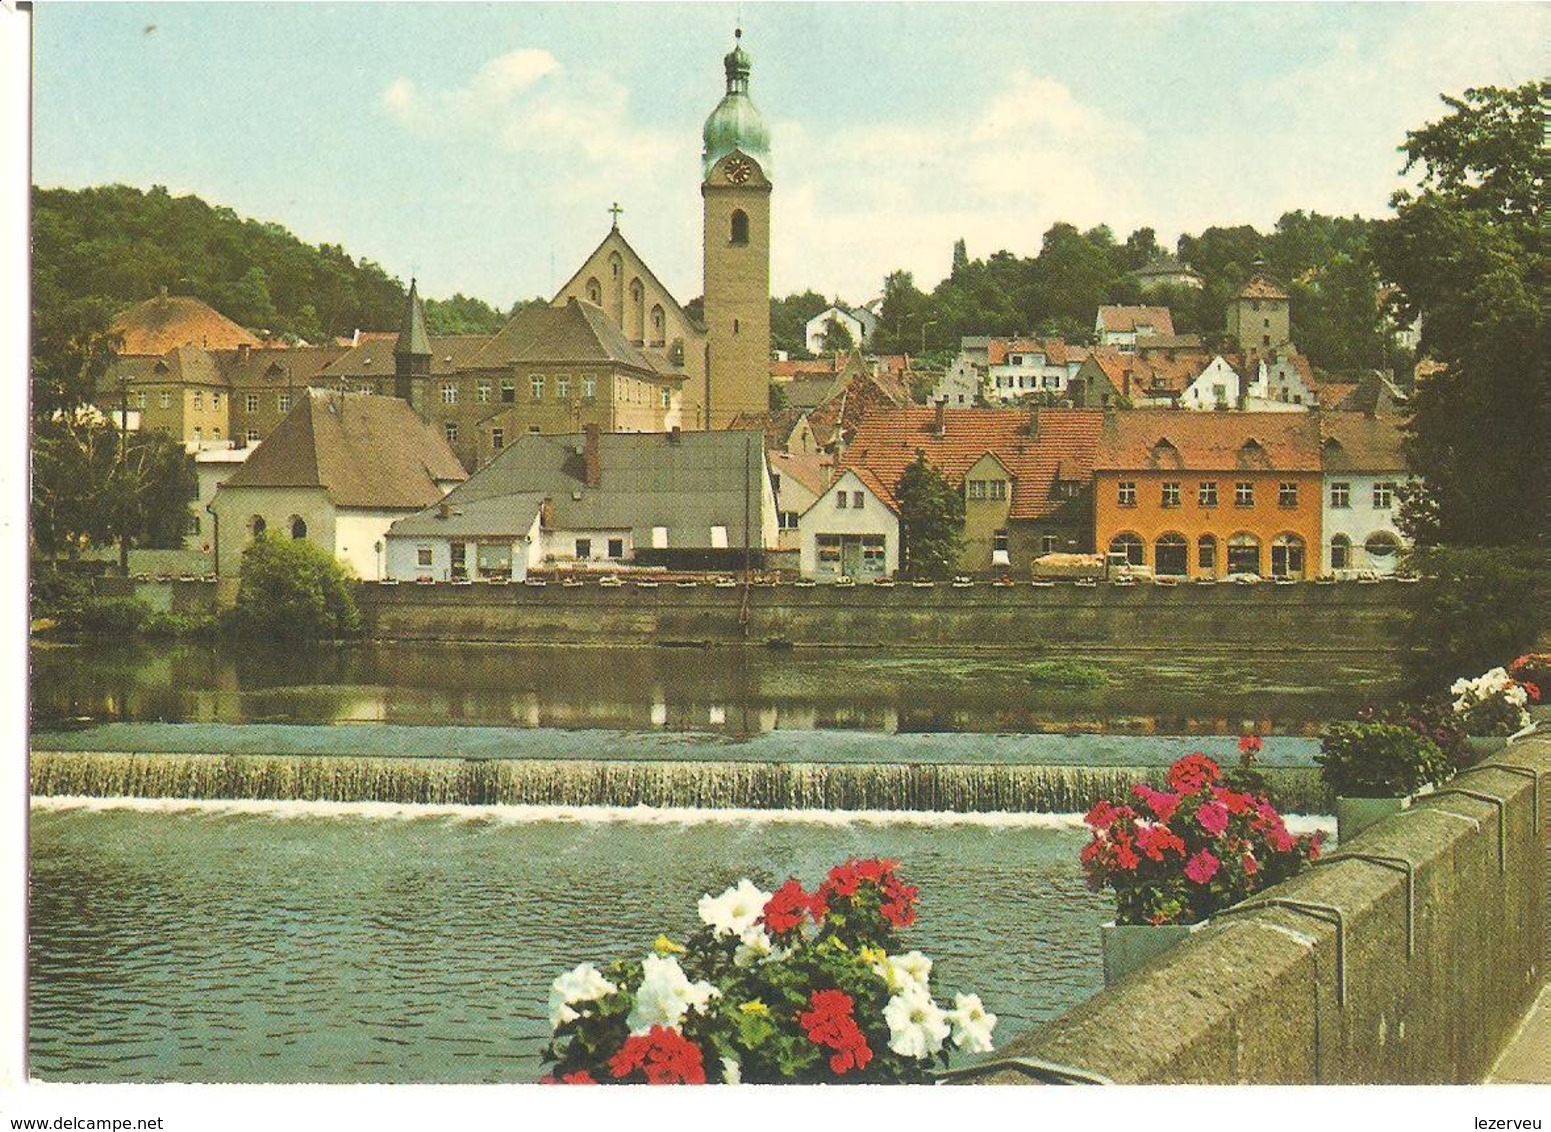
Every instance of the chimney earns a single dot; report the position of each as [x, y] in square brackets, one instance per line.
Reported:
[1034, 424]
[940, 424]
[592, 461]
[547, 513]
[242, 352]
[673, 435]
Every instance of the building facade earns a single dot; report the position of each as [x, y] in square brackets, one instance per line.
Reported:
[1207, 495]
[851, 530]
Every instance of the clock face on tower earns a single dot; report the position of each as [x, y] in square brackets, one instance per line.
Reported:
[738, 170]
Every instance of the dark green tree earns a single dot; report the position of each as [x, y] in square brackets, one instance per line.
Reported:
[789, 322]
[293, 591]
[836, 337]
[1467, 250]
[960, 259]
[931, 521]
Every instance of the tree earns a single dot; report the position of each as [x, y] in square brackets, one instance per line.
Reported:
[291, 591]
[960, 259]
[789, 321]
[1467, 252]
[836, 336]
[931, 519]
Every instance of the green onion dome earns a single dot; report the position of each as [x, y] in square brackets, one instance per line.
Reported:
[736, 124]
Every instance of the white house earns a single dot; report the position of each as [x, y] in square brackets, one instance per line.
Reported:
[1218, 386]
[1123, 327]
[1363, 474]
[798, 479]
[697, 500]
[852, 530]
[860, 321]
[962, 385]
[1022, 367]
[337, 471]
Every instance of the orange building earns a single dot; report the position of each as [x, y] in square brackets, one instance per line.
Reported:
[1204, 495]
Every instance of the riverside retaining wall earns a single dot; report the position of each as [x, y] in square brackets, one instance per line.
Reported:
[1349, 617]
[1257, 998]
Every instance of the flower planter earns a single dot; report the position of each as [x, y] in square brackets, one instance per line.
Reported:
[1483, 745]
[1353, 815]
[1130, 947]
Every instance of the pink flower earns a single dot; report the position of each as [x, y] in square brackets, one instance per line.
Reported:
[1213, 818]
[1161, 804]
[1251, 866]
[1251, 745]
[1202, 867]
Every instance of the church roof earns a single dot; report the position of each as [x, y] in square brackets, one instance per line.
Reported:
[575, 332]
[167, 322]
[413, 340]
[367, 452]
[736, 123]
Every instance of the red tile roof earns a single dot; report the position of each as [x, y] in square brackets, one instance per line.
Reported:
[1033, 444]
[1354, 442]
[158, 325]
[1055, 350]
[1147, 439]
[1261, 287]
[1127, 319]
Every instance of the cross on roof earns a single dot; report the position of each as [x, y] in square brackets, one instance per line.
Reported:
[616, 210]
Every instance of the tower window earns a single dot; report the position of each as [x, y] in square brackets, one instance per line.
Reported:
[740, 227]
[735, 326]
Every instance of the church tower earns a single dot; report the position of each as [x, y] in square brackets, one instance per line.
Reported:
[412, 355]
[735, 185]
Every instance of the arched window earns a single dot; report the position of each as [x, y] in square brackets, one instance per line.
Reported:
[659, 326]
[1383, 550]
[1171, 555]
[637, 312]
[595, 292]
[1129, 546]
[1340, 553]
[259, 526]
[1244, 554]
[1287, 556]
[298, 527]
[1206, 554]
[740, 226]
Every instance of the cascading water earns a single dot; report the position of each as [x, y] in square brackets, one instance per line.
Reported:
[669, 784]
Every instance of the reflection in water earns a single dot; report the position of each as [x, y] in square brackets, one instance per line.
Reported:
[286, 947]
[730, 690]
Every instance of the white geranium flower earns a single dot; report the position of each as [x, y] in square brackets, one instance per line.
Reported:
[735, 911]
[755, 945]
[904, 972]
[917, 1025]
[972, 1023]
[583, 984]
[666, 995]
[732, 1073]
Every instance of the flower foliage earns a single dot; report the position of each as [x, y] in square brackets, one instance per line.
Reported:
[1181, 854]
[789, 986]
[1379, 760]
[1533, 670]
[1494, 703]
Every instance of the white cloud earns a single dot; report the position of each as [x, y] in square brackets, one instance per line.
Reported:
[526, 103]
[871, 198]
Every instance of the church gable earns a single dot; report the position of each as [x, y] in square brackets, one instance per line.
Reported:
[617, 280]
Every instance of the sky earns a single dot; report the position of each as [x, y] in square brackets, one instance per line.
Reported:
[479, 147]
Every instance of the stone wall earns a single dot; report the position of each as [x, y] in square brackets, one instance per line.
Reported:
[1257, 997]
[1307, 618]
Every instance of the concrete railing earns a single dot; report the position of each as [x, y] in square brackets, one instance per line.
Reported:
[1411, 969]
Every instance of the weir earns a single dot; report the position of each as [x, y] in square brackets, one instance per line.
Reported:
[578, 782]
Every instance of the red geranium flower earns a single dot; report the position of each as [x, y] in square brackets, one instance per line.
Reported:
[831, 1023]
[665, 1056]
[1193, 773]
[1237, 803]
[787, 906]
[1101, 815]
[1251, 745]
[1156, 840]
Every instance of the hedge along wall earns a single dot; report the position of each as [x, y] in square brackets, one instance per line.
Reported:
[1254, 998]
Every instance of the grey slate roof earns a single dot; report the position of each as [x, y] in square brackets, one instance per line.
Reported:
[368, 452]
[500, 516]
[413, 340]
[688, 484]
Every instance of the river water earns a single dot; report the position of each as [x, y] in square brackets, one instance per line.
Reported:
[294, 941]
